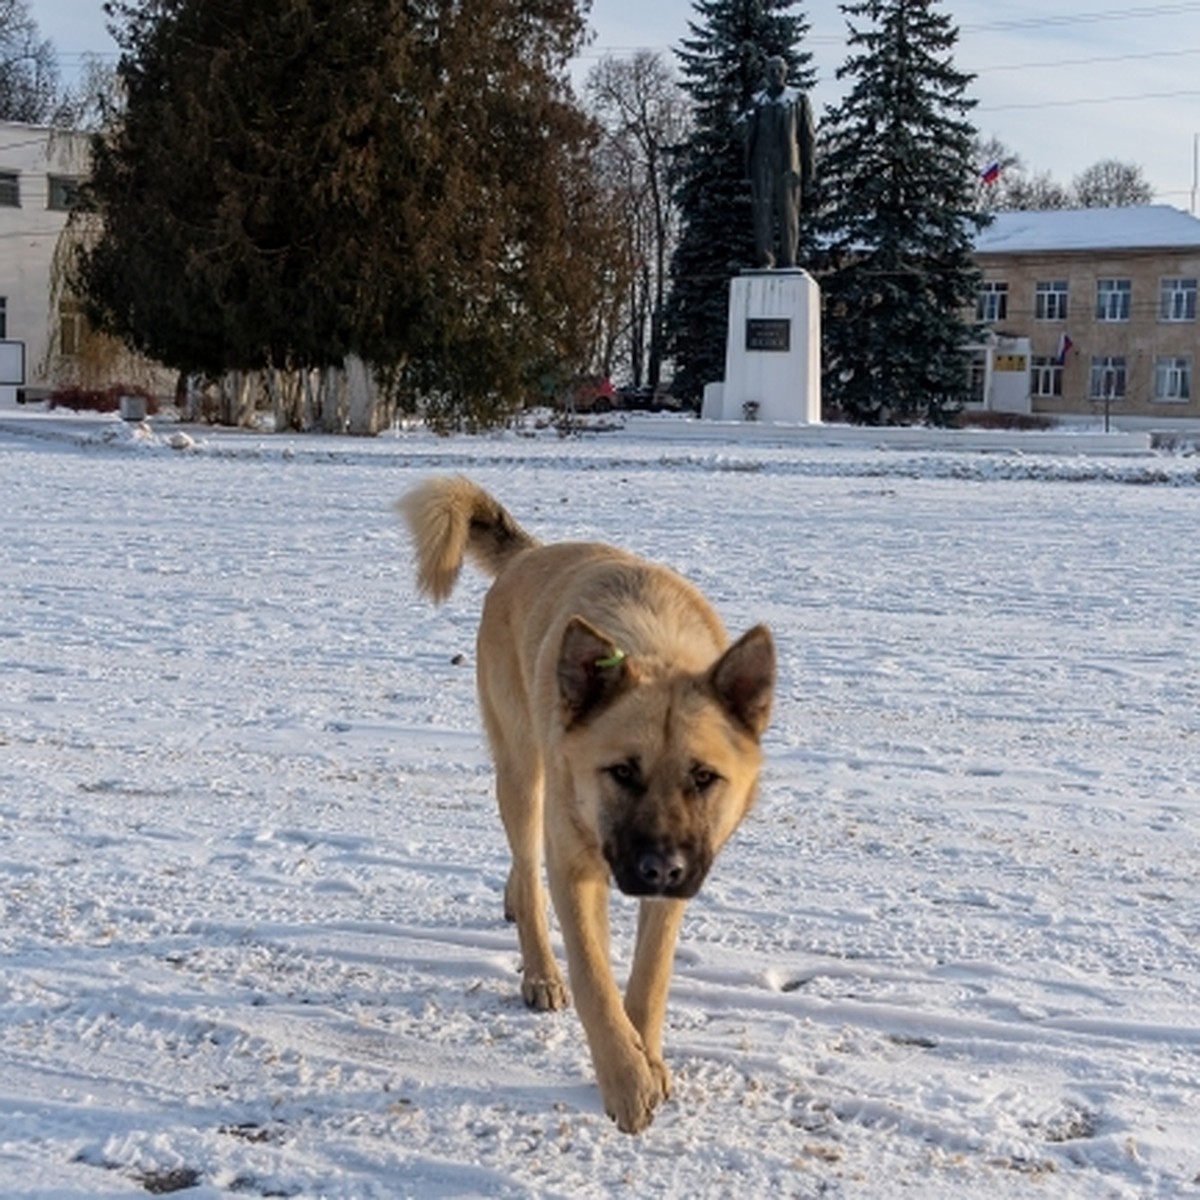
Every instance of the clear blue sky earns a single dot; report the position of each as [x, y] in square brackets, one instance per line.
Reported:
[1062, 84]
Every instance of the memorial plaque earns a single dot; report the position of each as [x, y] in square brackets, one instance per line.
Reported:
[769, 333]
[1010, 362]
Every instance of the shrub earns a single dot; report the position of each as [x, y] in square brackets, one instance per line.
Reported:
[106, 400]
[1003, 420]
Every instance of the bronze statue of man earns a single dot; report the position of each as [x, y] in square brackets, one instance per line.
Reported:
[779, 140]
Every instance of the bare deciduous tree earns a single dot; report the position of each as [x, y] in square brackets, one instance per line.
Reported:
[643, 113]
[1106, 184]
[1111, 184]
[29, 80]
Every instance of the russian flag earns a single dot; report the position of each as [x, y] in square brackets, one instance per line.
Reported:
[990, 173]
[1064, 345]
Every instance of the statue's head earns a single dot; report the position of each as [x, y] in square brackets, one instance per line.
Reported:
[776, 73]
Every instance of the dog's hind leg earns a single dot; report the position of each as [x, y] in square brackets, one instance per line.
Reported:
[519, 792]
[650, 979]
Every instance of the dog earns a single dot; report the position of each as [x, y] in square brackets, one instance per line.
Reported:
[626, 735]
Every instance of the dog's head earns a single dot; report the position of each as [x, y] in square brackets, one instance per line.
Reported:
[664, 762]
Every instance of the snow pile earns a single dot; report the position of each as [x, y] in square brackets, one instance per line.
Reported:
[251, 875]
[140, 435]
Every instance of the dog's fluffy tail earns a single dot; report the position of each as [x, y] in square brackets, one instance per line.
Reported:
[450, 519]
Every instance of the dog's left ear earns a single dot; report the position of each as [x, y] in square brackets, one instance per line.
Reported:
[591, 669]
[744, 679]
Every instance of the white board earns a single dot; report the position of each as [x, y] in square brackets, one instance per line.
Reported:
[12, 363]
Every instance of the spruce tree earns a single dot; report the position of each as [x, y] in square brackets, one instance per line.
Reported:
[898, 185]
[721, 64]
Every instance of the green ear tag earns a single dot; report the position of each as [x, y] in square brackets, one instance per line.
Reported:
[615, 659]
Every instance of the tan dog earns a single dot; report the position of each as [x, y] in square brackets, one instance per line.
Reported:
[625, 733]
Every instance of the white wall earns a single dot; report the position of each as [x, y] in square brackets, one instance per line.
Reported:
[28, 234]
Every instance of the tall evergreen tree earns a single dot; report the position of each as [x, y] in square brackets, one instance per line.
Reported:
[294, 182]
[722, 64]
[900, 215]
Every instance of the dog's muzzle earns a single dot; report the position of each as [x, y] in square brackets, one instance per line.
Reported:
[656, 869]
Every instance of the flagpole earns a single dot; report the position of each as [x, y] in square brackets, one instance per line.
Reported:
[1195, 168]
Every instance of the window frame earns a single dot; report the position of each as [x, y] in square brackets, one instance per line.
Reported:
[62, 192]
[1177, 369]
[1174, 293]
[1100, 366]
[72, 327]
[1114, 299]
[1050, 300]
[1045, 377]
[991, 301]
[10, 189]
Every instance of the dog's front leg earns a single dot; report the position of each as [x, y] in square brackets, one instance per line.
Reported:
[630, 1085]
[650, 979]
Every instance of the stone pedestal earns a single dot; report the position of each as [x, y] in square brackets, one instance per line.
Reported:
[773, 351]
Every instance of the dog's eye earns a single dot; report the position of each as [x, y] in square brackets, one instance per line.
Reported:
[703, 778]
[624, 774]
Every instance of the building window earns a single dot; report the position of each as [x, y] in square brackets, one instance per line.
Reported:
[1177, 300]
[1050, 300]
[71, 327]
[1046, 376]
[62, 192]
[1107, 380]
[1112, 299]
[992, 302]
[3, 316]
[1173, 379]
[10, 189]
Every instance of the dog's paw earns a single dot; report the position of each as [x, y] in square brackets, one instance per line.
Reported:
[661, 1073]
[633, 1091]
[545, 993]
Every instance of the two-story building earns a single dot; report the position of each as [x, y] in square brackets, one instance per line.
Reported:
[40, 171]
[45, 341]
[1088, 311]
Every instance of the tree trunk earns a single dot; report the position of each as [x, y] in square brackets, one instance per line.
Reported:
[363, 411]
[331, 387]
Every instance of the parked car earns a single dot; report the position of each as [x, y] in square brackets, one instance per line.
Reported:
[647, 399]
[591, 394]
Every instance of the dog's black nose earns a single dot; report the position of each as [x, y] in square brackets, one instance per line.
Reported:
[662, 870]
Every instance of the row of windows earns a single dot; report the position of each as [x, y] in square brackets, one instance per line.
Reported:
[1114, 300]
[1108, 378]
[61, 191]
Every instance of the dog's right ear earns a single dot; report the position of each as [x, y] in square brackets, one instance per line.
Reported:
[591, 670]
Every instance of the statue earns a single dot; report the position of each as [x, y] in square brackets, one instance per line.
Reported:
[778, 133]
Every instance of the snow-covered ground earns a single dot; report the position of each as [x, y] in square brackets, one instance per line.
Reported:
[250, 873]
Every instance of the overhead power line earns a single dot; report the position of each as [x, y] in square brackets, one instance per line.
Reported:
[1087, 18]
[1081, 62]
[1089, 100]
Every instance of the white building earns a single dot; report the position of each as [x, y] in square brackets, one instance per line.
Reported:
[40, 171]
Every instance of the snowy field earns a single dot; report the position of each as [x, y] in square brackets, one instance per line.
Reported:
[250, 874]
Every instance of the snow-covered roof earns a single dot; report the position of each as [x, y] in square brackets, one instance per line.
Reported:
[1146, 227]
